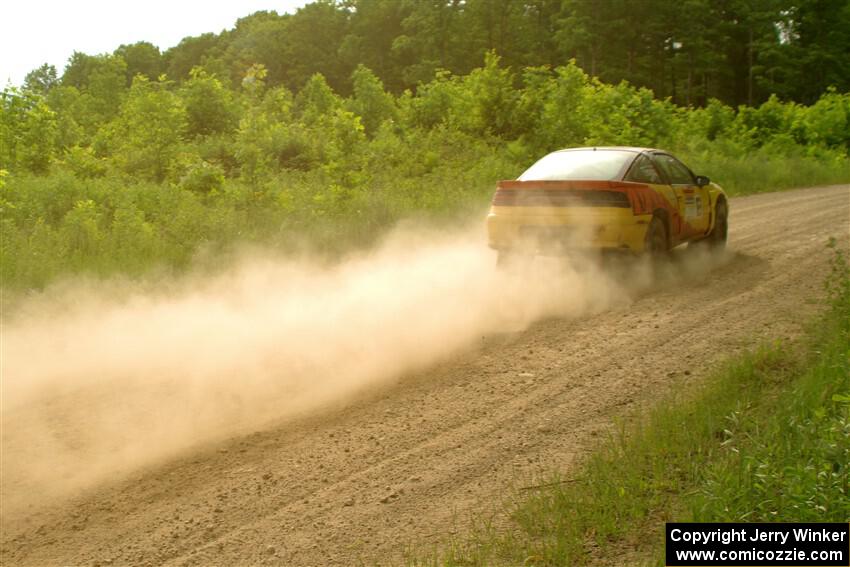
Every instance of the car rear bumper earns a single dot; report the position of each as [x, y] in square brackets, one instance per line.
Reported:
[554, 230]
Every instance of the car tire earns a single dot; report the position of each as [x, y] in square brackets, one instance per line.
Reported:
[716, 239]
[656, 243]
[513, 261]
[503, 258]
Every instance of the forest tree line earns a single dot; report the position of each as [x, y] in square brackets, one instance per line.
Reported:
[737, 51]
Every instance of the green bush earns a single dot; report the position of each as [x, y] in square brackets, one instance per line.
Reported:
[202, 177]
[84, 163]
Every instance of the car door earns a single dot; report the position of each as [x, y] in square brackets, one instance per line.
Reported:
[692, 200]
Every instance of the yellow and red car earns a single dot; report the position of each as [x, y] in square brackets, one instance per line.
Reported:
[641, 200]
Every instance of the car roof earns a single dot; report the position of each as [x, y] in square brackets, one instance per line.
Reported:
[619, 148]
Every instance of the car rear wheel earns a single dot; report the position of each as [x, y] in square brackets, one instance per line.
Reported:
[656, 238]
[512, 260]
[503, 258]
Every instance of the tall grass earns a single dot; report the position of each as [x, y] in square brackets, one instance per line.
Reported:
[763, 171]
[794, 466]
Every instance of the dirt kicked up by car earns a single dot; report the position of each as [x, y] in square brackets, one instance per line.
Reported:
[639, 200]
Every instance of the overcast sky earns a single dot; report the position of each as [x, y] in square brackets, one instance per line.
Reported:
[34, 32]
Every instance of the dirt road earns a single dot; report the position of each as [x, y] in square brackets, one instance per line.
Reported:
[409, 460]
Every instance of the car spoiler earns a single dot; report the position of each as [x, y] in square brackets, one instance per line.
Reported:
[578, 184]
[572, 193]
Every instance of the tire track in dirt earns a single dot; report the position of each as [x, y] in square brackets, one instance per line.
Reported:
[412, 461]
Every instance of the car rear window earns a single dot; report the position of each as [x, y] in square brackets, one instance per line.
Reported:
[579, 164]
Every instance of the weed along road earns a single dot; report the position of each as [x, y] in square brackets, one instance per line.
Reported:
[410, 458]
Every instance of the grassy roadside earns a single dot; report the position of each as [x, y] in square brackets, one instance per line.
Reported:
[761, 172]
[767, 438]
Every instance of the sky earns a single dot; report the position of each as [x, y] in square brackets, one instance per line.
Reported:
[34, 32]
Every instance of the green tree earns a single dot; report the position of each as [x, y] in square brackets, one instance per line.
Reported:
[210, 107]
[493, 99]
[441, 101]
[74, 123]
[809, 53]
[101, 79]
[316, 100]
[373, 27]
[147, 133]
[254, 82]
[27, 131]
[314, 37]
[41, 80]
[252, 147]
[370, 101]
[192, 52]
[81, 228]
[824, 37]
[432, 40]
[259, 39]
[505, 28]
[560, 119]
[142, 58]
[254, 136]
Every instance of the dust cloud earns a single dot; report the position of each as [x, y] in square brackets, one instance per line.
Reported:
[96, 384]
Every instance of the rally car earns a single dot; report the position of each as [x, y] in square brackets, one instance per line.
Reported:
[640, 200]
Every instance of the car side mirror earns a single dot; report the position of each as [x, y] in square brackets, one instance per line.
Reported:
[702, 180]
